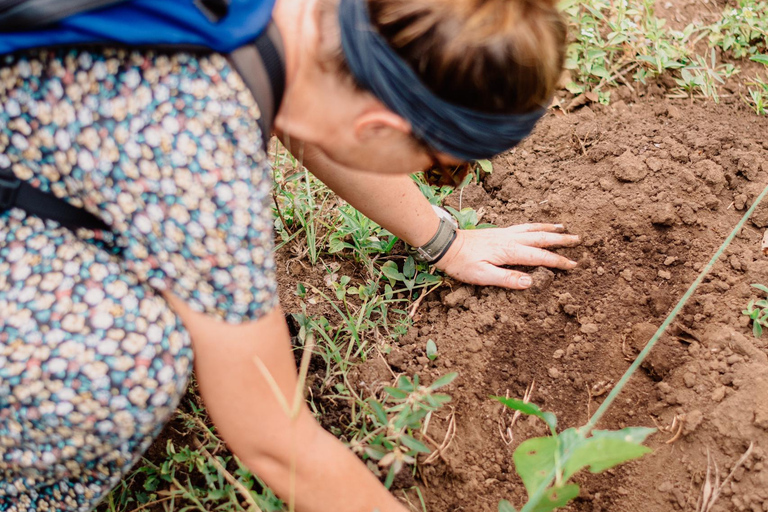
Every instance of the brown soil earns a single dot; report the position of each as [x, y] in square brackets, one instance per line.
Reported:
[653, 188]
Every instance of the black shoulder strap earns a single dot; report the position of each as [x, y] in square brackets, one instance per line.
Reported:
[261, 65]
[15, 193]
[262, 68]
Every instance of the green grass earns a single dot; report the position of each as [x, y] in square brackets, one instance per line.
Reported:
[621, 42]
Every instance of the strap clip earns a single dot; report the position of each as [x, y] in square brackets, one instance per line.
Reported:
[9, 189]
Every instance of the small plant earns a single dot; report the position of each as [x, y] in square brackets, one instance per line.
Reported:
[546, 464]
[431, 350]
[391, 427]
[412, 276]
[468, 218]
[757, 311]
[705, 77]
[742, 31]
[358, 233]
[758, 97]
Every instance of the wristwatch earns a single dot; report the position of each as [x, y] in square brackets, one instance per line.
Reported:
[432, 251]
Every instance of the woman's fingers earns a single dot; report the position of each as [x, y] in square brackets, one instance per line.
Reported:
[546, 239]
[518, 254]
[527, 228]
[512, 279]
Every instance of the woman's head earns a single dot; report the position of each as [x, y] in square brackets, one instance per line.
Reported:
[487, 57]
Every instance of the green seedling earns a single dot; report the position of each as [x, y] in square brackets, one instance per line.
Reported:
[358, 233]
[758, 96]
[757, 311]
[431, 350]
[705, 77]
[743, 30]
[547, 464]
[412, 276]
[390, 433]
[467, 218]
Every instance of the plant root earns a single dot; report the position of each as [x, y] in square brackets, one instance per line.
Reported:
[450, 434]
[506, 430]
[710, 492]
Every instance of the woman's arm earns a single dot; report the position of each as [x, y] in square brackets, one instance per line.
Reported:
[245, 410]
[477, 256]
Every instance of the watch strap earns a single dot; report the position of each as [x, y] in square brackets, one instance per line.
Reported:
[438, 245]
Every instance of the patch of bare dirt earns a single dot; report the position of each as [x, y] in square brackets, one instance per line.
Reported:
[653, 187]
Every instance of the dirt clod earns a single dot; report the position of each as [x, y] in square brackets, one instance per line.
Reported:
[629, 168]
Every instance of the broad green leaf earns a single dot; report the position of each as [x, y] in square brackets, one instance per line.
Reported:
[413, 444]
[574, 88]
[486, 166]
[378, 411]
[556, 497]
[505, 506]
[390, 271]
[409, 268]
[396, 393]
[762, 59]
[761, 287]
[604, 450]
[443, 381]
[530, 409]
[431, 350]
[425, 278]
[535, 461]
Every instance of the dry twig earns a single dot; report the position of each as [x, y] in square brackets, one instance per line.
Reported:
[241, 489]
[506, 430]
[710, 492]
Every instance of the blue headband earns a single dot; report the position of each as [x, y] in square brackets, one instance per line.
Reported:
[458, 131]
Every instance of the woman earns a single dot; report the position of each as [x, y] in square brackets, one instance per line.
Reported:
[97, 331]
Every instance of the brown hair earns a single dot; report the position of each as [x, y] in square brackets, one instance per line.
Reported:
[500, 56]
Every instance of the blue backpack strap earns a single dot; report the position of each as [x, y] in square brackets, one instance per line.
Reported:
[25, 15]
[152, 23]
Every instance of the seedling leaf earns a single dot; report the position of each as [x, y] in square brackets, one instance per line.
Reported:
[529, 409]
[413, 444]
[443, 381]
[486, 166]
[762, 59]
[605, 449]
[556, 497]
[505, 506]
[535, 461]
[761, 287]
[431, 350]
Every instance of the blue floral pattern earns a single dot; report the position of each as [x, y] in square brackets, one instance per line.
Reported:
[166, 149]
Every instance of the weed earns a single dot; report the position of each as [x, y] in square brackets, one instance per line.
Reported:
[705, 77]
[388, 434]
[611, 39]
[742, 30]
[563, 455]
[358, 233]
[431, 350]
[758, 97]
[467, 218]
[757, 311]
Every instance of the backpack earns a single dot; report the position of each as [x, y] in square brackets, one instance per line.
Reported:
[240, 28]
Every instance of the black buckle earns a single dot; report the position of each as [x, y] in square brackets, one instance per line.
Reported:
[9, 189]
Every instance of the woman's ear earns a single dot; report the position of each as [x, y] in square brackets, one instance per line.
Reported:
[380, 123]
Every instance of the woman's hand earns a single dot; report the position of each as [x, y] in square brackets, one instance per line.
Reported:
[476, 256]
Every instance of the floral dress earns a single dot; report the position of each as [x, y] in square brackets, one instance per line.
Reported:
[166, 149]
